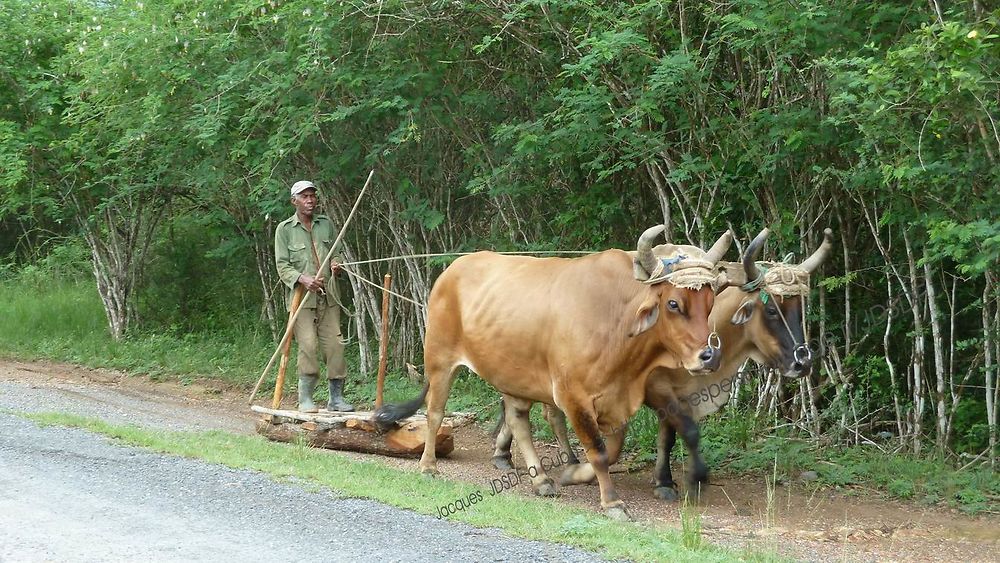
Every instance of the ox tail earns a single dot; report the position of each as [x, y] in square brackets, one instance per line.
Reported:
[388, 415]
[500, 421]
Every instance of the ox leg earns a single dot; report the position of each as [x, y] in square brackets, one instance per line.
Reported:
[666, 488]
[682, 423]
[674, 419]
[439, 385]
[557, 420]
[584, 472]
[504, 437]
[501, 450]
[585, 425]
[692, 435]
[520, 425]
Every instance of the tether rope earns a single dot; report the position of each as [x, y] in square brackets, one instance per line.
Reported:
[439, 254]
[373, 284]
[436, 255]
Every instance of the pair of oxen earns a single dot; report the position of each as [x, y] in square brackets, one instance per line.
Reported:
[593, 338]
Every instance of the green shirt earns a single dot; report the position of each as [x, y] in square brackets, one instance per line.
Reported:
[299, 251]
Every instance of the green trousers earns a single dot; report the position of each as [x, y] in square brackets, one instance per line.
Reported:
[317, 331]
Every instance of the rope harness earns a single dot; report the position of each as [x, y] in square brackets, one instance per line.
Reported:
[684, 272]
[687, 272]
[782, 280]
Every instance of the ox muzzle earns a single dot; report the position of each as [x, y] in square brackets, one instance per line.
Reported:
[710, 356]
[801, 364]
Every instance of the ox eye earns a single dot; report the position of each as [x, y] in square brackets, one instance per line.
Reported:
[772, 312]
[673, 305]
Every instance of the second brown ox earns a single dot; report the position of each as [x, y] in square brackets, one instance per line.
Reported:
[581, 334]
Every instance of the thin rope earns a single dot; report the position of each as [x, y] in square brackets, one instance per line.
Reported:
[784, 322]
[799, 288]
[439, 254]
[373, 284]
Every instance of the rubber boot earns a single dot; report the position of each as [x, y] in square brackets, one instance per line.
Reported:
[307, 384]
[337, 402]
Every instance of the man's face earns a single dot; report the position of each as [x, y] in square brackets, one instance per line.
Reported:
[305, 202]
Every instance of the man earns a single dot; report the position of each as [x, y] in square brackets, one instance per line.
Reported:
[300, 244]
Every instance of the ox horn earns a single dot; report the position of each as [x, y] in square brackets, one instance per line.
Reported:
[720, 247]
[752, 252]
[817, 258]
[645, 248]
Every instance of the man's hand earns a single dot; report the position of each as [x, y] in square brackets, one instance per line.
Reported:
[315, 285]
[335, 267]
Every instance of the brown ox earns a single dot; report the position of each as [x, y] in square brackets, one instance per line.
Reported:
[581, 334]
[760, 321]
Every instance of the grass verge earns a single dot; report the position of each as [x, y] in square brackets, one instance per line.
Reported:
[517, 515]
[784, 455]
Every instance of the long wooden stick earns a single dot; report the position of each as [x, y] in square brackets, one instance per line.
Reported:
[322, 266]
[279, 387]
[383, 345]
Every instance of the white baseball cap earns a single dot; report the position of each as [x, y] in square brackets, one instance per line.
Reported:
[301, 186]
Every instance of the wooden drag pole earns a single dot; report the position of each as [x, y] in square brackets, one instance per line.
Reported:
[383, 345]
[279, 386]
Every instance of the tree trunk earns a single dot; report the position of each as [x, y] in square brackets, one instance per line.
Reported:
[989, 341]
[917, 360]
[272, 289]
[939, 369]
[119, 238]
[888, 359]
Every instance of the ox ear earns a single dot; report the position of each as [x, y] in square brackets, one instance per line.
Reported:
[743, 314]
[645, 316]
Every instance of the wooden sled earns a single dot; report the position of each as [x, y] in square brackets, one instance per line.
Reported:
[351, 431]
[354, 431]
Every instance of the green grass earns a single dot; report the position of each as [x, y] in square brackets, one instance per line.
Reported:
[65, 322]
[526, 517]
[901, 476]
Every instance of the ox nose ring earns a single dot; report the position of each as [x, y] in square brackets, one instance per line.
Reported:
[802, 354]
[714, 341]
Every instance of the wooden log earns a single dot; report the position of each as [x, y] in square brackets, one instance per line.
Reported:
[453, 419]
[407, 441]
[410, 439]
[361, 424]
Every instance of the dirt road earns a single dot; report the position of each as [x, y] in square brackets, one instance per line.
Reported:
[801, 522]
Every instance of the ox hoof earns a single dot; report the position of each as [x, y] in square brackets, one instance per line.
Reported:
[502, 462]
[430, 472]
[668, 494]
[618, 513]
[547, 489]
